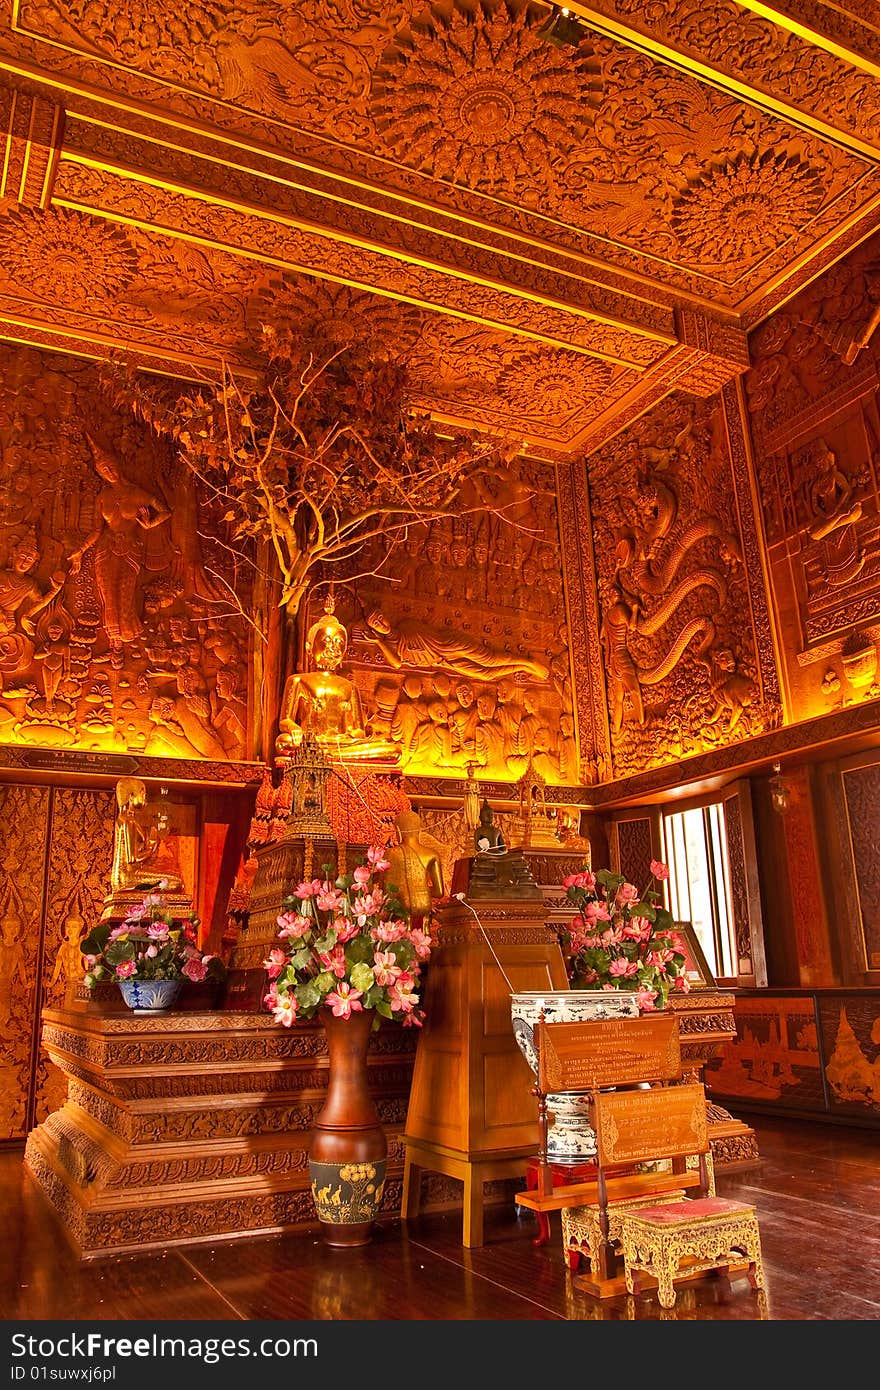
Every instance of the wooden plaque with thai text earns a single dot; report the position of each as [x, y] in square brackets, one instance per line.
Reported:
[607, 1052]
[663, 1122]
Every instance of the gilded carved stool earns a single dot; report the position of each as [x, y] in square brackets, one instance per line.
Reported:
[582, 1231]
[704, 1232]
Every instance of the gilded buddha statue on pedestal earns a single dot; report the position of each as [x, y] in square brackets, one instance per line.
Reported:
[325, 705]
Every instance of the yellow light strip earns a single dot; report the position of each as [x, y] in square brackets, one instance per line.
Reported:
[656, 48]
[810, 34]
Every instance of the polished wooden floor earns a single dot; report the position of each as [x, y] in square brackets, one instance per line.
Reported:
[816, 1190]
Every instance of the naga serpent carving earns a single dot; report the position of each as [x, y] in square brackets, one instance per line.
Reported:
[647, 562]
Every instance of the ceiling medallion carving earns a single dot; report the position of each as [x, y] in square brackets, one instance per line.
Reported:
[738, 211]
[65, 255]
[553, 383]
[390, 328]
[479, 98]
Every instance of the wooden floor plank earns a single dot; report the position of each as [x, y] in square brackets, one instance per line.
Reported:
[815, 1190]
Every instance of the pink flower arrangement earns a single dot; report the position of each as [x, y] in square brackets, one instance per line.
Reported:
[347, 945]
[151, 944]
[621, 938]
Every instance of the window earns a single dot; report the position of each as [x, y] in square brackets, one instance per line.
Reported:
[699, 882]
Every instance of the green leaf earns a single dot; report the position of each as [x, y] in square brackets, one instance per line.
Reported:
[609, 881]
[300, 959]
[95, 942]
[362, 977]
[308, 995]
[384, 1009]
[359, 950]
[644, 909]
[326, 943]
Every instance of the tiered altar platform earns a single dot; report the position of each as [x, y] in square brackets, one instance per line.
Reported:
[188, 1126]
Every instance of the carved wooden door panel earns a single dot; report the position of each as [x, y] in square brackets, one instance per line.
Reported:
[635, 838]
[748, 922]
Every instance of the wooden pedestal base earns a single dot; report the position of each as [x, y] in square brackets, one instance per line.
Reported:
[706, 1022]
[473, 1172]
[183, 1126]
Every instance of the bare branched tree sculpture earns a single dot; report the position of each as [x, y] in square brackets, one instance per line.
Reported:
[319, 457]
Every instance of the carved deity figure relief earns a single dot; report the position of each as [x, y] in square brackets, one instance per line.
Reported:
[13, 968]
[680, 672]
[106, 601]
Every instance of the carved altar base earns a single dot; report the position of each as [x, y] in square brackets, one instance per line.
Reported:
[706, 1022]
[188, 1126]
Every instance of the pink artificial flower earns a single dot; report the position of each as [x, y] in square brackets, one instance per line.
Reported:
[152, 951]
[638, 929]
[90, 961]
[389, 931]
[136, 913]
[329, 898]
[125, 969]
[156, 930]
[596, 912]
[362, 874]
[345, 928]
[623, 967]
[411, 1020]
[590, 977]
[121, 930]
[195, 970]
[421, 942]
[585, 879]
[293, 925]
[334, 961]
[646, 999]
[275, 962]
[682, 983]
[376, 859]
[271, 996]
[626, 893]
[659, 871]
[284, 1010]
[401, 996]
[344, 1001]
[385, 967]
[611, 936]
[308, 890]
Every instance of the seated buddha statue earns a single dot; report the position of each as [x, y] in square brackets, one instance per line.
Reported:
[325, 704]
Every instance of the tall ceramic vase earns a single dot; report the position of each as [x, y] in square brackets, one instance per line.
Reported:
[348, 1149]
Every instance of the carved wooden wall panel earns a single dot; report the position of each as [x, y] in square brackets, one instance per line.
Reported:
[862, 789]
[476, 667]
[80, 848]
[814, 404]
[25, 818]
[116, 633]
[681, 665]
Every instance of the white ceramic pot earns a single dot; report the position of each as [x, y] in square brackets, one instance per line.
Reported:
[570, 1137]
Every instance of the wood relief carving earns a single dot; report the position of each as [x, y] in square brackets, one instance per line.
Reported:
[815, 415]
[109, 595]
[465, 660]
[679, 654]
[634, 849]
[25, 812]
[738, 883]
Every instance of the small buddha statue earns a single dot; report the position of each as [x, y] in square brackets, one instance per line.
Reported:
[487, 835]
[326, 705]
[140, 855]
[416, 869]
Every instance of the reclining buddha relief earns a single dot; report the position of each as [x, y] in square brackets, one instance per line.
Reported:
[676, 634]
[460, 647]
[115, 625]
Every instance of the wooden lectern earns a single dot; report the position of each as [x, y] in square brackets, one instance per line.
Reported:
[472, 1111]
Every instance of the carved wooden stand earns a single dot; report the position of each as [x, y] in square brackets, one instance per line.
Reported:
[188, 1126]
[706, 1022]
[472, 1114]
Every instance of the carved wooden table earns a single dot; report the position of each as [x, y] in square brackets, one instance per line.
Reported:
[706, 1021]
[187, 1126]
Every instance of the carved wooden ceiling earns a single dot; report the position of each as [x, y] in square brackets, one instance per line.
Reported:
[555, 236]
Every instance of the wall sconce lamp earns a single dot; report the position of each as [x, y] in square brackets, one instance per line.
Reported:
[780, 791]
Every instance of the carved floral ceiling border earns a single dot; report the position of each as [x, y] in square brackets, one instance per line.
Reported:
[680, 182]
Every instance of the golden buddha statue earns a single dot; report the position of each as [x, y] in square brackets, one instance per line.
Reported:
[416, 868]
[326, 705]
[140, 854]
